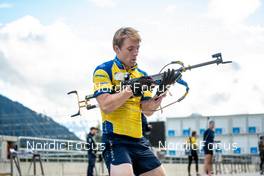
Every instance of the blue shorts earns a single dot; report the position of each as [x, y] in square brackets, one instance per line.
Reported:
[122, 149]
[208, 150]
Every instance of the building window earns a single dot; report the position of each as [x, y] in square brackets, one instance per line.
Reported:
[202, 130]
[171, 133]
[253, 150]
[237, 151]
[236, 130]
[172, 152]
[252, 130]
[218, 131]
[186, 132]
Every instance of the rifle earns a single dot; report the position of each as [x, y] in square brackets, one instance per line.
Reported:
[153, 80]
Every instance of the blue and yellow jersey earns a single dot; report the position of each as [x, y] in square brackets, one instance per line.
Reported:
[126, 120]
[193, 141]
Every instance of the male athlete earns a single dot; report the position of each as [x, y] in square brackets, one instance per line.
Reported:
[126, 153]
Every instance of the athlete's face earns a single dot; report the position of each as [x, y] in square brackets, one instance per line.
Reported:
[212, 126]
[128, 52]
[94, 131]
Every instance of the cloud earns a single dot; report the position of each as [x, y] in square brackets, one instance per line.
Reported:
[6, 5]
[104, 3]
[170, 9]
[219, 98]
[8, 73]
[44, 62]
[232, 11]
[32, 38]
[235, 66]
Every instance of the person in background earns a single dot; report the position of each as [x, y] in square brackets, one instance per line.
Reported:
[193, 155]
[91, 150]
[208, 139]
[261, 153]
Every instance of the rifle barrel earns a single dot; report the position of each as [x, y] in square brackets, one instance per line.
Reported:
[217, 61]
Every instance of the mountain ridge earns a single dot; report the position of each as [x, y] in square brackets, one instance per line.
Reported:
[19, 120]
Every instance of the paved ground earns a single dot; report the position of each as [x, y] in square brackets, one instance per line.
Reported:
[246, 174]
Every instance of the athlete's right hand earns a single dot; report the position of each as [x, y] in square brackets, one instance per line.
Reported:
[169, 77]
[129, 91]
[136, 87]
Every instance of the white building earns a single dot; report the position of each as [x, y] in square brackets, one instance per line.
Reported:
[238, 134]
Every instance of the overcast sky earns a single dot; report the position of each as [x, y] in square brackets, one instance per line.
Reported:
[48, 48]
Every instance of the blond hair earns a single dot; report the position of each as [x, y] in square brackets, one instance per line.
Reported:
[124, 33]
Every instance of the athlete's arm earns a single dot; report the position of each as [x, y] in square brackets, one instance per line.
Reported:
[110, 102]
[149, 106]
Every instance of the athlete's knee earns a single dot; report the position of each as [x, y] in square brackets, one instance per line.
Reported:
[121, 170]
[159, 171]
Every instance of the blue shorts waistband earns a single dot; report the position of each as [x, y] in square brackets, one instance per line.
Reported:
[114, 136]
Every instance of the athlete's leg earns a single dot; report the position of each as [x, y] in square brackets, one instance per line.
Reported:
[121, 170]
[159, 171]
[190, 158]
